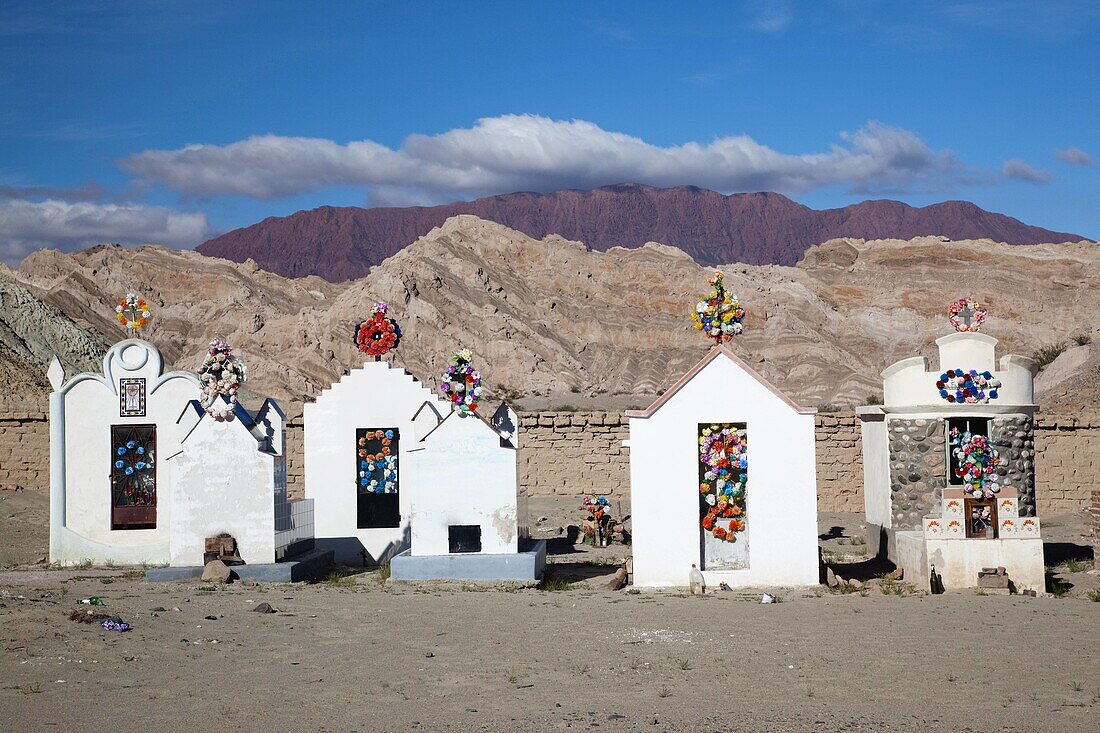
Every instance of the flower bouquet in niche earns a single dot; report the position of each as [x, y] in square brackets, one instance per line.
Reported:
[977, 463]
[378, 334]
[461, 382]
[719, 315]
[724, 466]
[132, 313]
[221, 374]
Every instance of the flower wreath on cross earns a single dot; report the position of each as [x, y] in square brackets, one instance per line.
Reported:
[132, 313]
[379, 333]
[967, 314]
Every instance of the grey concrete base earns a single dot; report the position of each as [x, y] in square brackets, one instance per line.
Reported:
[293, 569]
[527, 565]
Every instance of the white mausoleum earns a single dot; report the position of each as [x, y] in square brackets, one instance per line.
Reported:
[111, 491]
[362, 502]
[723, 477]
[229, 477]
[919, 510]
[465, 503]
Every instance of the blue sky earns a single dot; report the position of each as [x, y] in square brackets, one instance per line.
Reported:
[174, 122]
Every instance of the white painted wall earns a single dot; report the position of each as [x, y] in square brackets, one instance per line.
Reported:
[465, 474]
[781, 502]
[376, 395]
[82, 412]
[912, 382]
[224, 481]
[958, 561]
[874, 438]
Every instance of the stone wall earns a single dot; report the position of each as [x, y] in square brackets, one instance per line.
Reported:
[24, 449]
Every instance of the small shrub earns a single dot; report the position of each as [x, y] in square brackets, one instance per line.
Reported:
[1055, 585]
[1075, 566]
[685, 665]
[1094, 595]
[384, 572]
[664, 692]
[1046, 354]
[1082, 339]
[551, 581]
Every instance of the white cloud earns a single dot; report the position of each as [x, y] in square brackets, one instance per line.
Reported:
[1021, 171]
[1073, 156]
[29, 225]
[528, 152]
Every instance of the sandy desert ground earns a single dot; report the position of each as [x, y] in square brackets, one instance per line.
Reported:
[351, 653]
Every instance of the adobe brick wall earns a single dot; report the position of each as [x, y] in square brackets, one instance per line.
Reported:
[1095, 523]
[24, 449]
[574, 453]
[1067, 462]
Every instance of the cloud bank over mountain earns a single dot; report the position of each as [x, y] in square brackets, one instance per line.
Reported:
[534, 153]
[27, 225]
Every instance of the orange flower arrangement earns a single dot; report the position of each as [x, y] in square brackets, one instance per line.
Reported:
[132, 312]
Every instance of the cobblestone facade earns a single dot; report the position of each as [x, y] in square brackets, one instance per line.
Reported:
[1014, 439]
[918, 466]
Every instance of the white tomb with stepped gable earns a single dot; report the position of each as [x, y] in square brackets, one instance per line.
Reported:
[229, 477]
[361, 523]
[111, 490]
[918, 510]
[771, 509]
[467, 518]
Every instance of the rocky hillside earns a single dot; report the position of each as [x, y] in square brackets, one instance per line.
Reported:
[559, 324]
[756, 228]
[31, 333]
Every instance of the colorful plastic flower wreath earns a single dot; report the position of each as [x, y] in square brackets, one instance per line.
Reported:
[132, 312]
[134, 460]
[967, 387]
[379, 333]
[461, 383]
[719, 315]
[221, 374]
[978, 461]
[963, 307]
[725, 466]
[378, 469]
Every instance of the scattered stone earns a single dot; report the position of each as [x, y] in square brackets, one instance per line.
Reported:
[618, 581]
[216, 571]
[264, 608]
[830, 578]
[158, 609]
[211, 618]
[896, 574]
[429, 655]
[723, 586]
[854, 583]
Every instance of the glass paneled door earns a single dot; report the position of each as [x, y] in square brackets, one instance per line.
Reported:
[133, 476]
